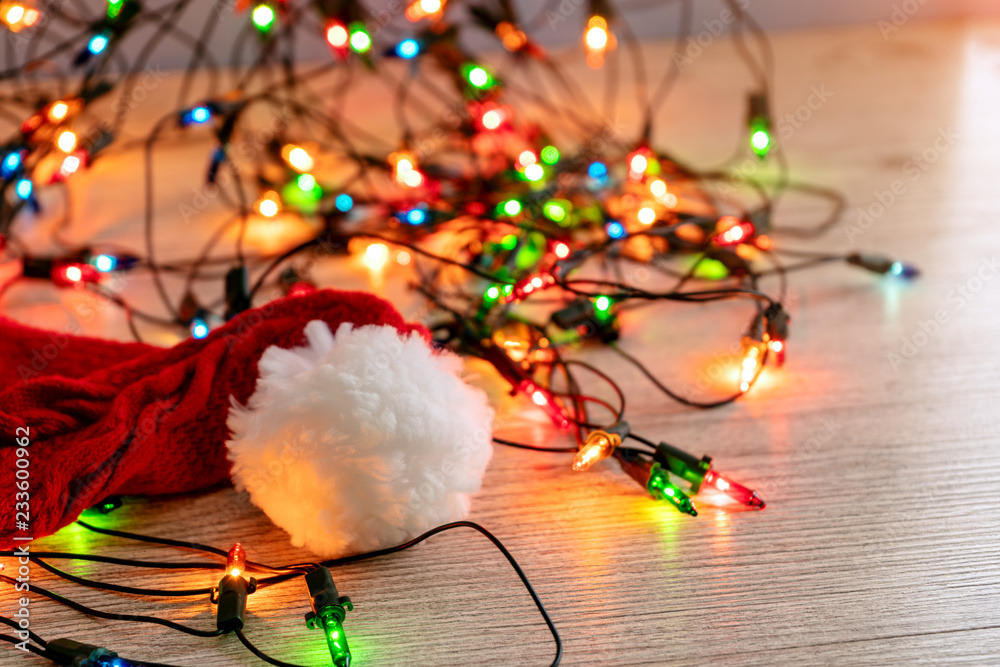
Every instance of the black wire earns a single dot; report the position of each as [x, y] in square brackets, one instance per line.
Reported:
[31, 635]
[55, 597]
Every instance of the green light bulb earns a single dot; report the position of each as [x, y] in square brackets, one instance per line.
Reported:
[478, 77]
[336, 639]
[115, 8]
[360, 40]
[661, 488]
[262, 17]
[550, 155]
[760, 137]
[511, 207]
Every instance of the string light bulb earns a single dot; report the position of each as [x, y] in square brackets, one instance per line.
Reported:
[599, 445]
[700, 473]
[329, 609]
[337, 35]
[66, 141]
[545, 400]
[297, 158]
[661, 488]
[17, 17]
[360, 40]
[269, 204]
[752, 363]
[263, 17]
[236, 561]
[425, 9]
[597, 40]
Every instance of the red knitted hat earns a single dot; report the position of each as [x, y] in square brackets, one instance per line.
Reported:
[106, 418]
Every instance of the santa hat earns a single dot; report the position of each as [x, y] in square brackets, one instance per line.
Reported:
[332, 412]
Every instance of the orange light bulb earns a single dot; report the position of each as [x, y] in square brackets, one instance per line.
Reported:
[598, 445]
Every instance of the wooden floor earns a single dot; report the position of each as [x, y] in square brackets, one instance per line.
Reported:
[879, 544]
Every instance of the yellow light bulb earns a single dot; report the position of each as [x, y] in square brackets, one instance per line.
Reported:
[58, 111]
[15, 14]
[598, 445]
[376, 256]
[658, 188]
[646, 215]
[597, 38]
[66, 141]
[268, 204]
[299, 159]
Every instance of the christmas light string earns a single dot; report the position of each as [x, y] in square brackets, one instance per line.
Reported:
[231, 595]
[527, 220]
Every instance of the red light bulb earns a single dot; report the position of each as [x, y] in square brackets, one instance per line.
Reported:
[530, 285]
[236, 561]
[546, 401]
[734, 490]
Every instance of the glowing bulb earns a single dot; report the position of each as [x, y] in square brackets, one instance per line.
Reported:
[597, 171]
[598, 445]
[74, 274]
[527, 158]
[602, 303]
[408, 48]
[561, 250]
[336, 35]
[512, 207]
[615, 230]
[97, 44]
[69, 166]
[344, 202]
[66, 141]
[597, 34]
[236, 560]
[430, 6]
[403, 258]
[105, 263]
[776, 345]
[361, 41]
[300, 159]
[199, 328]
[550, 155]
[658, 188]
[268, 204]
[306, 182]
[15, 14]
[492, 119]
[58, 111]
[646, 215]
[262, 17]
[376, 256]
[23, 188]
[760, 140]
[413, 178]
[479, 77]
[639, 164]
[534, 172]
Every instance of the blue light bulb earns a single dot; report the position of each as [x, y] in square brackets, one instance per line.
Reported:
[23, 188]
[408, 48]
[199, 328]
[416, 216]
[97, 44]
[105, 263]
[200, 115]
[615, 230]
[597, 170]
[11, 163]
[344, 202]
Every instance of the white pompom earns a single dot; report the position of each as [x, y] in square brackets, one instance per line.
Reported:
[360, 440]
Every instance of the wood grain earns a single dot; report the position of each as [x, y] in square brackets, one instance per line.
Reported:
[879, 542]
